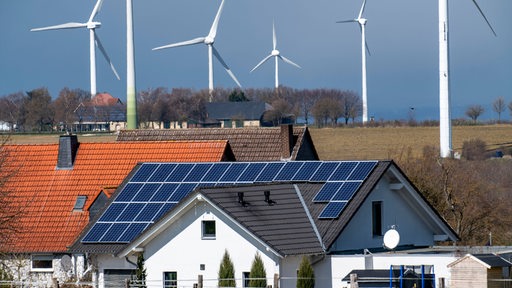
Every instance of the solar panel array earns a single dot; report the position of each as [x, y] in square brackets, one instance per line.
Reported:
[156, 187]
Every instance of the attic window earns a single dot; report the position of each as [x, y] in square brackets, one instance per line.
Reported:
[80, 203]
[208, 229]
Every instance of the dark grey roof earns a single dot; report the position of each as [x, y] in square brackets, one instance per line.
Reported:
[239, 110]
[285, 226]
[493, 260]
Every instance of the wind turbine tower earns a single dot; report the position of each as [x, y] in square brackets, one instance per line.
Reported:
[208, 40]
[277, 55]
[131, 99]
[445, 129]
[94, 40]
[364, 50]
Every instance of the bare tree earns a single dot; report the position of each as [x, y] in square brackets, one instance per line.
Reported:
[12, 110]
[474, 111]
[499, 107]
[66, 105]
[40, 115]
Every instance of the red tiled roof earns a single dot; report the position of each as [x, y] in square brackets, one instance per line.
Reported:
[47, 195]
[104, 99]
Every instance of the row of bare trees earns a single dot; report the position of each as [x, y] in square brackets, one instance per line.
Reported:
[498, 105]
[472, 194]
[36, 111]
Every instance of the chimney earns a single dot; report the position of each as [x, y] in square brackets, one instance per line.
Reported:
[286, 141]
[68, 146]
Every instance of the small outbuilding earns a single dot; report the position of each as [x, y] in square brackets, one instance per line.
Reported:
[480, 270]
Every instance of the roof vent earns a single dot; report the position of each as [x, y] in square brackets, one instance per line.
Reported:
[269, 201]
[68, 146]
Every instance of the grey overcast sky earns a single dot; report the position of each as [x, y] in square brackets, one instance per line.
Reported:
[401, 34]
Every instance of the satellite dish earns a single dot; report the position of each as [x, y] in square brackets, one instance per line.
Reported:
[65, 262]
[391, 239]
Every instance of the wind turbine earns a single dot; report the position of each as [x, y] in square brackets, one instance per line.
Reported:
[277, 55]
[94, 40]
[445, 129]
[208, 40]
[364, 49]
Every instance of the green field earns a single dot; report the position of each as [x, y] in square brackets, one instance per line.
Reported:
[359, 143]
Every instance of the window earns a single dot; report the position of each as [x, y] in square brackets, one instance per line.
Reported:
[42, 263]
[377, 218]
[80, 203]
[170, 279]
[246, 278]
[208, 229]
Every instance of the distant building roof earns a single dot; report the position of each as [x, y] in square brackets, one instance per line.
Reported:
[47, 194]
[488, 260]
[104, 99]
[248, 144]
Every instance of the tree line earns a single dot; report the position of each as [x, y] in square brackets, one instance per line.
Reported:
[37, 111]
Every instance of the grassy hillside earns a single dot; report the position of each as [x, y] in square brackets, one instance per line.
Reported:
[376, 143]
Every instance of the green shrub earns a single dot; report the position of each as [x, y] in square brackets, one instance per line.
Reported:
[226, 272]
[306, 275]
[258, 275]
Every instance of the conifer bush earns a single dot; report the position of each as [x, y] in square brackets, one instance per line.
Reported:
[306, 275]
[258, 274]
[226, 272]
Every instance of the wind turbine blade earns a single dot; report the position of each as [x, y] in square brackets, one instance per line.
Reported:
[96, 9]
[69, 25]
[485, 18]
[184, 43]
[261, 62]
[347, 21]
[213, 29]
[288, 61]
[217, 55]
[362, 10]
[104, 52]
[274, 39]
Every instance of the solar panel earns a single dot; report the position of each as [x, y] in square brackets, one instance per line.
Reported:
[156, 188]
[324, 171]
[269, 172]
[251, 172]
[216, 172]
[197, 173]
[343, 171]
[332, 210]
[144, 172]
[346, 191]
[288, 171]
[146, 192]
[362, 170]
[162, 172]
[129, 192]
[327, 192]
[306, 171]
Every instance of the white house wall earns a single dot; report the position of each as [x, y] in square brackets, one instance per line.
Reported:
[395, 211]
[180, 248]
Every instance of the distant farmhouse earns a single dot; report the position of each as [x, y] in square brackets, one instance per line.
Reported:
[102, 113]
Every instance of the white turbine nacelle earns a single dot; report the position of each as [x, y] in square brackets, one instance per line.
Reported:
[275, 52]
[93, 25]
[209, 40]
[362, 21]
